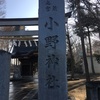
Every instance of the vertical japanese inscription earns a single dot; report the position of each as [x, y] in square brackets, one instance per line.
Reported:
[52, 61]
[50, 7]
[52, 82]
[51, 42]
[52, 58]
[51, 23]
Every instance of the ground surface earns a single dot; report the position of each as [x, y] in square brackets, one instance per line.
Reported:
[77, 88]
[20, 90]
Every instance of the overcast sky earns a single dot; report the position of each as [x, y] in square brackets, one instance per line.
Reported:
[21, 8]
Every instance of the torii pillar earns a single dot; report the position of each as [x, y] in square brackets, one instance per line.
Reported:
[52, 51]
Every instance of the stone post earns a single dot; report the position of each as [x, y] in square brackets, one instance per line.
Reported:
[5, 59]
[52, 51]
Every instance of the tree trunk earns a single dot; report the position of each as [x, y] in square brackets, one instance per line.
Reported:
[82, 41]
[85, 59]
[92, 65]
[71, 56]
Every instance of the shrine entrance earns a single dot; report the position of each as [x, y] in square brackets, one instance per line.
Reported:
[22, 42]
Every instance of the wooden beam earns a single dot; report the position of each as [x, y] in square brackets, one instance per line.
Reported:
[19, 38]
[19, 33]
[19, 21]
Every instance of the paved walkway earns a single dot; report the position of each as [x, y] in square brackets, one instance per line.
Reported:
[23, 89]
[26, 89]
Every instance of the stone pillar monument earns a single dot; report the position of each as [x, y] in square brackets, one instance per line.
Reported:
[4, 75]
[52, 51]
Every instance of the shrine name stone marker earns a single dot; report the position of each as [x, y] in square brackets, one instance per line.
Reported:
[52, 51]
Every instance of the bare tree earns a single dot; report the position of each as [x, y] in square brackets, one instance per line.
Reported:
[2, 8]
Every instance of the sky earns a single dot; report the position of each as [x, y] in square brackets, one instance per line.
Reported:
[21, 8]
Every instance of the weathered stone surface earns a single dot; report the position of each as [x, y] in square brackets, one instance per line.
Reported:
[4, 74]
[52, 50]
